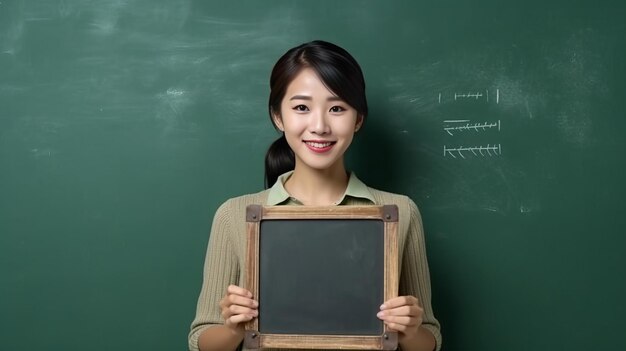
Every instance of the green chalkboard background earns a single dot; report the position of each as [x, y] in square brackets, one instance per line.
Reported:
[125, 123]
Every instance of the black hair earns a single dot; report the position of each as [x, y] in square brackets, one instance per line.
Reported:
[339, 72]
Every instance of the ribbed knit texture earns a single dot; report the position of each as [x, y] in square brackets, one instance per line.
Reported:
[225, 258]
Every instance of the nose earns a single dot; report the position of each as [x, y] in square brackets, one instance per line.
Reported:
[319, 124]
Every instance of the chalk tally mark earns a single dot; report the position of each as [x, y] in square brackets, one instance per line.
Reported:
[453, 126]
[480, 151]
[472, 96]
[467, 96]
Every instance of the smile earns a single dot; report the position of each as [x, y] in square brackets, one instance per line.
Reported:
[319, 146]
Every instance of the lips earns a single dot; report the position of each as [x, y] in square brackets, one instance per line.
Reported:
[319, 146]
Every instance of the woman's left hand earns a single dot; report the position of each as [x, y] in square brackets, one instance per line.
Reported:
[402, 314]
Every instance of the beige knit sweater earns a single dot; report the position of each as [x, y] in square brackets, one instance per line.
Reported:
[225, 258]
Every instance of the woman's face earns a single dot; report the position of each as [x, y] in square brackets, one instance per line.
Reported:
[318, 125]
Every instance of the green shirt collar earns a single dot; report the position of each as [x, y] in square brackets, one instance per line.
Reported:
[279, 196]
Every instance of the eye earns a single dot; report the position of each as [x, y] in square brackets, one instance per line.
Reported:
[337, 109]
[301, 108]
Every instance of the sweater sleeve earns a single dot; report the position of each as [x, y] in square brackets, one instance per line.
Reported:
[221, 268]
[414, 273]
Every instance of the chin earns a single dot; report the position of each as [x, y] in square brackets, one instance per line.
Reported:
[320, 166]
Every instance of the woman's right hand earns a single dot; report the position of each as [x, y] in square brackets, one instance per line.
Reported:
[238, 307]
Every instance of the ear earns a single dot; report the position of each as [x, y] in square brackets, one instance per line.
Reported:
[278, 121]
[359, 122]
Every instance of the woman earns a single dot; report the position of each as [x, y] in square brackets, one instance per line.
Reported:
[318, 102]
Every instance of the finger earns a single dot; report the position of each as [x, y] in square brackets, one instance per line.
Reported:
[235, 309]
[241, 301]
[234, 289]
[238, 318]
[402, 320]
[399, 301]
[412, 310]
[399, 311]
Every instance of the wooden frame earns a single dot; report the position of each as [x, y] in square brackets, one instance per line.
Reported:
[388, 214]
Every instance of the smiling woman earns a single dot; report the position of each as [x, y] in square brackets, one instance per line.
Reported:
[320, 67]
[319, 127]
[318, 102]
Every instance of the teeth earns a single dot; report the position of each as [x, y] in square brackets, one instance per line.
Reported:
[318, 145]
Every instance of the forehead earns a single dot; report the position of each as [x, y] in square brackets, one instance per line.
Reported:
[307, 82]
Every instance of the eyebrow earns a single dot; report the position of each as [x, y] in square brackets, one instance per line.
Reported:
[306, 97]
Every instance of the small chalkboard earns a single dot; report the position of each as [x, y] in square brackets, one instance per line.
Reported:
[320, 275]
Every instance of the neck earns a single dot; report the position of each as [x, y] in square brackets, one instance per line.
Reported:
[315, 187]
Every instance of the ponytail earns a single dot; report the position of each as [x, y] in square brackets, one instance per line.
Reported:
[278, 160]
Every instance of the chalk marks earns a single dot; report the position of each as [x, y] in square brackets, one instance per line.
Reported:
[175, 92]
[40, 153]
[468, 129]
[171, 110]
[468, 95]
[462, 151]
[453, 126]
[106, 16]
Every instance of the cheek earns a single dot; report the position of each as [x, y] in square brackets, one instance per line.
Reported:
[346, 130]
[293, 125]
[289, 119]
